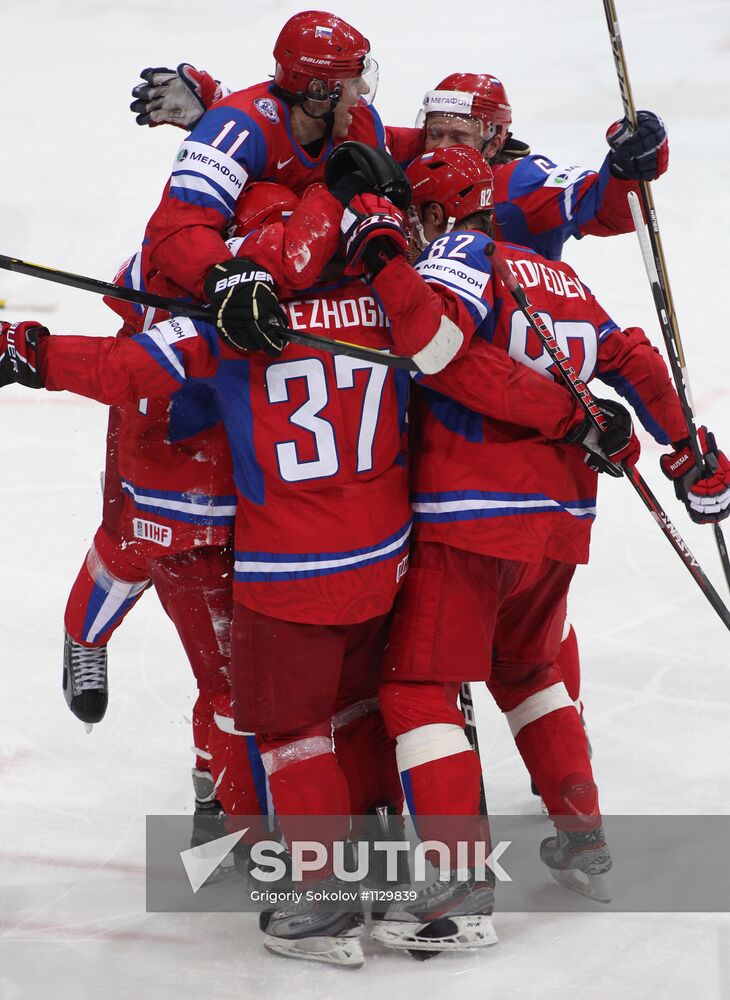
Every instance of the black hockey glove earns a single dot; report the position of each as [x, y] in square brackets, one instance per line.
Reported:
[707, 499]
[642, 155]
[247, 312]
[614, 445]
[19, 353]
[353, 168]
[175, 97]
[373, 233]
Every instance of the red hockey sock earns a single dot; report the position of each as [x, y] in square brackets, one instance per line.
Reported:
[308, 788]
[568, 663]
[202, 721]
[366, 755]
[235, 764]
[554, 748]
[439, 770]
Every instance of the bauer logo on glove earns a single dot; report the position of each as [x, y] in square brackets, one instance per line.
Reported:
[19, 344]
[245, 306]
[241, 278]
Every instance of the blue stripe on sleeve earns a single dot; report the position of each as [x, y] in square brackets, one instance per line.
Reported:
[153, 349]
[631, 394]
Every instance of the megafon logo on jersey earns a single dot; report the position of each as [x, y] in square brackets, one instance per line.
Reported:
[560, 180]
[182, 155]
[267, 107]
[148, 531]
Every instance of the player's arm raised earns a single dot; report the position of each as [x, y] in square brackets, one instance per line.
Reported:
[573, 201]
[177, 97]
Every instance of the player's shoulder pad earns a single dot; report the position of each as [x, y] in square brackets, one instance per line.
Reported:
[535, 172]
[459, 260]
[231, 132]
[469, 245]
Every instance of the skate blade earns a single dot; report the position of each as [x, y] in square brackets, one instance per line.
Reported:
[341, 951]
[472, 933]
[596, 887]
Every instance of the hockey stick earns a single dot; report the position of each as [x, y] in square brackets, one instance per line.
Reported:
[181, 308]
[466, 703]
[653, 250]
[582, 393]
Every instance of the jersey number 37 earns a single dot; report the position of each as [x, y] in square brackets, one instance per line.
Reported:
[307, 416]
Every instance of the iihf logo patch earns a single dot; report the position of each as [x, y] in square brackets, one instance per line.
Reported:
[267, 108]
[149, 531]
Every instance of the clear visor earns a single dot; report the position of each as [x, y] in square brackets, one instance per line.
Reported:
[369, 80]
[353, 90]
[416, 237]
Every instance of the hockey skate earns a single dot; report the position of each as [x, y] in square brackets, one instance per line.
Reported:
[579, 860]
[305, 928]
[454, 915]
[85, 684]
[209, 825]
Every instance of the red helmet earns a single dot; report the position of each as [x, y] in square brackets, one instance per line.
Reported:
[474, 95]
[261, 203]
[457, 177]
[314, 50]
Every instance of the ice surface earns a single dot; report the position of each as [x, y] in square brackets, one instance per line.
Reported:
[77, 181]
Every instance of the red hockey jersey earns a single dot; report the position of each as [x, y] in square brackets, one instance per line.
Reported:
[248, 136]
[542, 204]
[174, 463]
[495, 486]
[323, 519]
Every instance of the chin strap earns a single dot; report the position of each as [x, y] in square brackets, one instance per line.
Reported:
[418, 236]
[329, 116]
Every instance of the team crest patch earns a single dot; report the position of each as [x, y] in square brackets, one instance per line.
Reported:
[267, 108]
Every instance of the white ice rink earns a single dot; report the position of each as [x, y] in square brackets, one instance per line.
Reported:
[78, 180]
